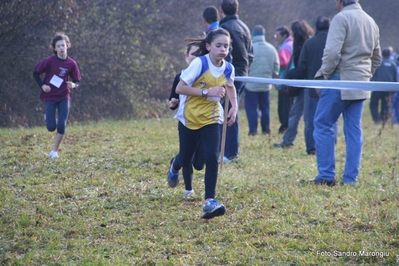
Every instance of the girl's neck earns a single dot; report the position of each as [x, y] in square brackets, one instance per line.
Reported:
[61, 57]
[217, 63]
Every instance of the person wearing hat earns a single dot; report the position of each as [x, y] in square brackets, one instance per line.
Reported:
[380, 100]
[266, 64]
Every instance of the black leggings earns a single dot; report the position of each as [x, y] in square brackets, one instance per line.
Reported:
[189, 140]
[63, 107]
[197, 162]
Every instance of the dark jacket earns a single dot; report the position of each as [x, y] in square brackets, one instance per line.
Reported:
[386, 71]
[310, 58]
[241, 55]
[296, 52]
[173, 93]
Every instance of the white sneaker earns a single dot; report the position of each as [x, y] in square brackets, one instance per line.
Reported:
[53, 155]
[225, 160]
[188, 194]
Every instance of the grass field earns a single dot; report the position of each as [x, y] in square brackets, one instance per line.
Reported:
[105, 201]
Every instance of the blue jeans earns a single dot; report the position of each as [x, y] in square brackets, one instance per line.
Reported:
[294, 118]
[252, 101]
[309, 110]
[395, 108]
[232, 133]
[328, 110]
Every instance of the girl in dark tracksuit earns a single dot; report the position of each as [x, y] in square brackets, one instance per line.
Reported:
[198, 158]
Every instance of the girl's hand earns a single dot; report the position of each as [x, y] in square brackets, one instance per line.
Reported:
[71, 85]
[217, 91]
[232, 116]
[46, 88]
[173, 102]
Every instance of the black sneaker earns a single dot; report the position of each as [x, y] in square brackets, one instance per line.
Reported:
[282, 145]
[322, 182]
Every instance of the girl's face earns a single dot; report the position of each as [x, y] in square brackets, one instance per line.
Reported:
[61, 49]
[190, 57]
[218, 49]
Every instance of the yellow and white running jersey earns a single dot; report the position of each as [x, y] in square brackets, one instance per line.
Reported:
[194, 111]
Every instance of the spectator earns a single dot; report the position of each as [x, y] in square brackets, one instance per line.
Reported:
[301, 32]
[311, 56]
[265, 65]
[395, 108]
[386, 72]
[397, 68]
[352, 52]
[211, 18]
[395, 99]
[284, 103]
[241, 57]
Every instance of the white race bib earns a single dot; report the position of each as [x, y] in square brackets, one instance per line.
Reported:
[56, 81]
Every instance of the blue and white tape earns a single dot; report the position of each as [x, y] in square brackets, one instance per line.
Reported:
[327, 84]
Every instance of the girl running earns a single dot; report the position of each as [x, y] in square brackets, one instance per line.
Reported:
[201, 87]
[56, 86]
[198, 158]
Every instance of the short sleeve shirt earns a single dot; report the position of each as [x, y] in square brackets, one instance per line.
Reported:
[194, 111]
[56, 68]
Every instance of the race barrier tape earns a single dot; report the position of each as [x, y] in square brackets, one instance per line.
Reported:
[327, 84]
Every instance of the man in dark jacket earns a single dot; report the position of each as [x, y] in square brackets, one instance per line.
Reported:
[386, 72]
[309, 63]
[240, 56]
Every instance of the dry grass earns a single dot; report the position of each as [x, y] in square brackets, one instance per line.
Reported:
[106, 201]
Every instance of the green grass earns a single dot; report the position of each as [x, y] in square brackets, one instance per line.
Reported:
[105, 201]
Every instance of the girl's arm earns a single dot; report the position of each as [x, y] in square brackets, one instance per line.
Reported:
[174, 97]
[44, 87]
[216, 91]
[36, 76]
[232, 115]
